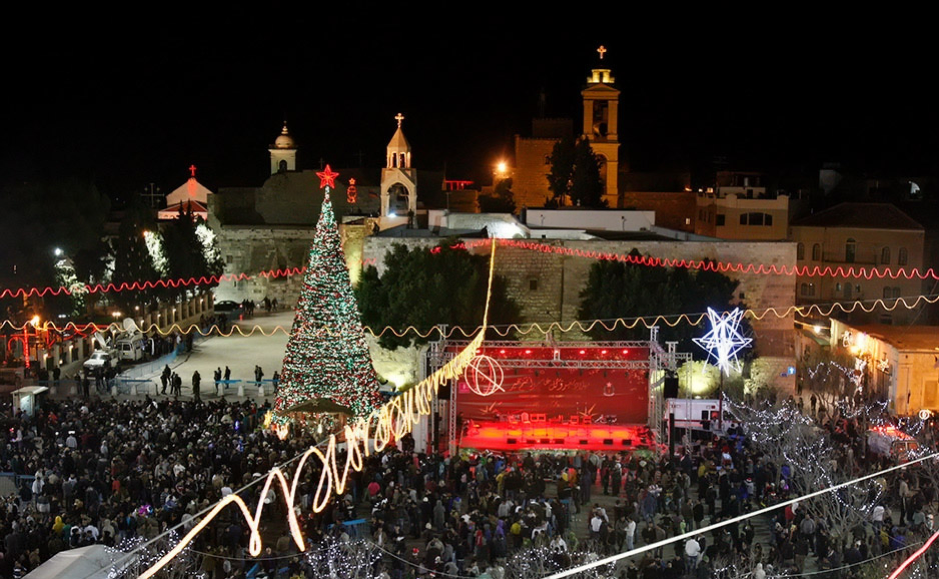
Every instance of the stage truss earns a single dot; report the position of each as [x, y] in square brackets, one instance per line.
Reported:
[659, 363]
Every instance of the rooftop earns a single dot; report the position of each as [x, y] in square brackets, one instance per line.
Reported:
[861, 215]
[909, 338]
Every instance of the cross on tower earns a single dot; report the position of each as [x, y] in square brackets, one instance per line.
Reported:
[399, 117]
[192, 170]
[602, 51]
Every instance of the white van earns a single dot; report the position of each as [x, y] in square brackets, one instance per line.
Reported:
[131, 349]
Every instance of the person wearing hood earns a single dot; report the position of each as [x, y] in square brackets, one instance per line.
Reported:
[758, 572]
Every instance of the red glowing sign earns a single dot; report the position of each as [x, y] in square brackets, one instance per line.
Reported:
[327, 177]
[351, 192]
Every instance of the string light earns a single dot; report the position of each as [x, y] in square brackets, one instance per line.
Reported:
[916, 555]
[582, 326]
[381, 427]
[484, 376]
[730, 521]
[721, 267]
[644, 260]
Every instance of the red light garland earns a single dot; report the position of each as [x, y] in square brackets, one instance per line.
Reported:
[160, 283]
[916, 555]
[706, 265]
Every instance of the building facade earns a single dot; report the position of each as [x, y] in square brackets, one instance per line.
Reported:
[896, 363]
[850, 237]
[740, 207]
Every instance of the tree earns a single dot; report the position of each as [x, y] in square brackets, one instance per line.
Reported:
[327, 365]
[623, 290]
[575, 174]
[422, 288]
[787, 437]
[186, 253]
[501, 201]
[830, 374]
[132, 259]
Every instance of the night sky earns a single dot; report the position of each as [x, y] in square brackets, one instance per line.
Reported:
[136, 101]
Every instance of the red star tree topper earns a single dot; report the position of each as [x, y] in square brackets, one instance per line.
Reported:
[327, 177]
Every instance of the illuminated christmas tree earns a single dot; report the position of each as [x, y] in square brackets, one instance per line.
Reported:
[327, 365]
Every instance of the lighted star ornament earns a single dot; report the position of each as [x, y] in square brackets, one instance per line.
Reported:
[724, 340]
[327, 178]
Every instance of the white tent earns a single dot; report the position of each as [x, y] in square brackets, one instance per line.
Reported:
[91, 562]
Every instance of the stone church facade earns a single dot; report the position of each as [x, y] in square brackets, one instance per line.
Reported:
[265, 232]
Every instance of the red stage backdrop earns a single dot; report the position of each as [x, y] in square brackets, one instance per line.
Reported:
[622, 394]
[557, 401]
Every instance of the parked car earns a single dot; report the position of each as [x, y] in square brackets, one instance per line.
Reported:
[232, 308]
[100, 360]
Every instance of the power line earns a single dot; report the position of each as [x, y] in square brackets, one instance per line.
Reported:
[614, 558]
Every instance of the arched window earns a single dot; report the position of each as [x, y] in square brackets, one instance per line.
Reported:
[800, 251]
[816, 252]
[902, 256]
[850, 250]
[885, 256]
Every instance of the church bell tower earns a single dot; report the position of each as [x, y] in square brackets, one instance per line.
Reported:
[601, 118]
[399, 179]
[283, 153]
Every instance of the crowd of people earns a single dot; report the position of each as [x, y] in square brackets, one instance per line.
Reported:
[109, 472]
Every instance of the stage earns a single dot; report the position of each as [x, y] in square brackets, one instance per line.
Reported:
[575, 396]
[538, 433]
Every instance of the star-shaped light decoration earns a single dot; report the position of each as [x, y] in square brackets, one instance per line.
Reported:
[883, 365]
[327, 177]
[724, 340]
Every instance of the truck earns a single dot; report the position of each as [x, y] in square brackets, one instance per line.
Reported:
[694, 413]
[130, 348]
[889, 441]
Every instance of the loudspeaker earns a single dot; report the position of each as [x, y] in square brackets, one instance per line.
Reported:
[671, 387]
[511, 441]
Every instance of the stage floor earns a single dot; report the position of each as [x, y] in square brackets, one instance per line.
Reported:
[556, 436]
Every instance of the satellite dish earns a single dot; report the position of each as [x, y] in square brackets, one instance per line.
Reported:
[130, 326]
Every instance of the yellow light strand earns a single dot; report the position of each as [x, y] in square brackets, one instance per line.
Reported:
[523, 329]
[389, 422]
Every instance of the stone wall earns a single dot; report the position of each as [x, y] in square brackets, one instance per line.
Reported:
[252, 250]
[529, 179]
[547, 286]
